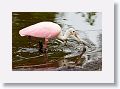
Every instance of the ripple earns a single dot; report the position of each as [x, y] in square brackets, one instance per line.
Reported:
[30, 50]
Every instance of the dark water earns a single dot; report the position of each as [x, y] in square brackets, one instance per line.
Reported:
[25, 50]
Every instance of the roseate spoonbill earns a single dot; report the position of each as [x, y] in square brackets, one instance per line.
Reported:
[48, 30]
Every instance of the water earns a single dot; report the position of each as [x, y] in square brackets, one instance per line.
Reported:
[26, 55]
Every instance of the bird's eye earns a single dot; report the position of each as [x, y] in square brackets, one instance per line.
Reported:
[73, 31]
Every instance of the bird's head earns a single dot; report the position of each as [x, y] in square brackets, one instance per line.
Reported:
[73, 34]
[70, 32]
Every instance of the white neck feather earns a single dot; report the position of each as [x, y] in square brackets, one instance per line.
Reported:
[63, 37]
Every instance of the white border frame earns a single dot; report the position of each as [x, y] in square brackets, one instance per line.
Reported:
[104, 76]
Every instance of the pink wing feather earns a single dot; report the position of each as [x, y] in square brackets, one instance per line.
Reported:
[42, 30]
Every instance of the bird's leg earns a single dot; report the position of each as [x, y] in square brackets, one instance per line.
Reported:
[45, 44]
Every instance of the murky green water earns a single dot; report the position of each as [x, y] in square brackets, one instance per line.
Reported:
[25, 51]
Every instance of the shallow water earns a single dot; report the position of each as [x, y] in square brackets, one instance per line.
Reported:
[25, 51]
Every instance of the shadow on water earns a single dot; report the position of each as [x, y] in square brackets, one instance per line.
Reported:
[25, 50]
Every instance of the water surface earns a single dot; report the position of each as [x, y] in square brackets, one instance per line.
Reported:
[25, 51]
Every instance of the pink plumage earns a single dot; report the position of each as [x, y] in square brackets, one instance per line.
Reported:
[47, 30]
[42, 30]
